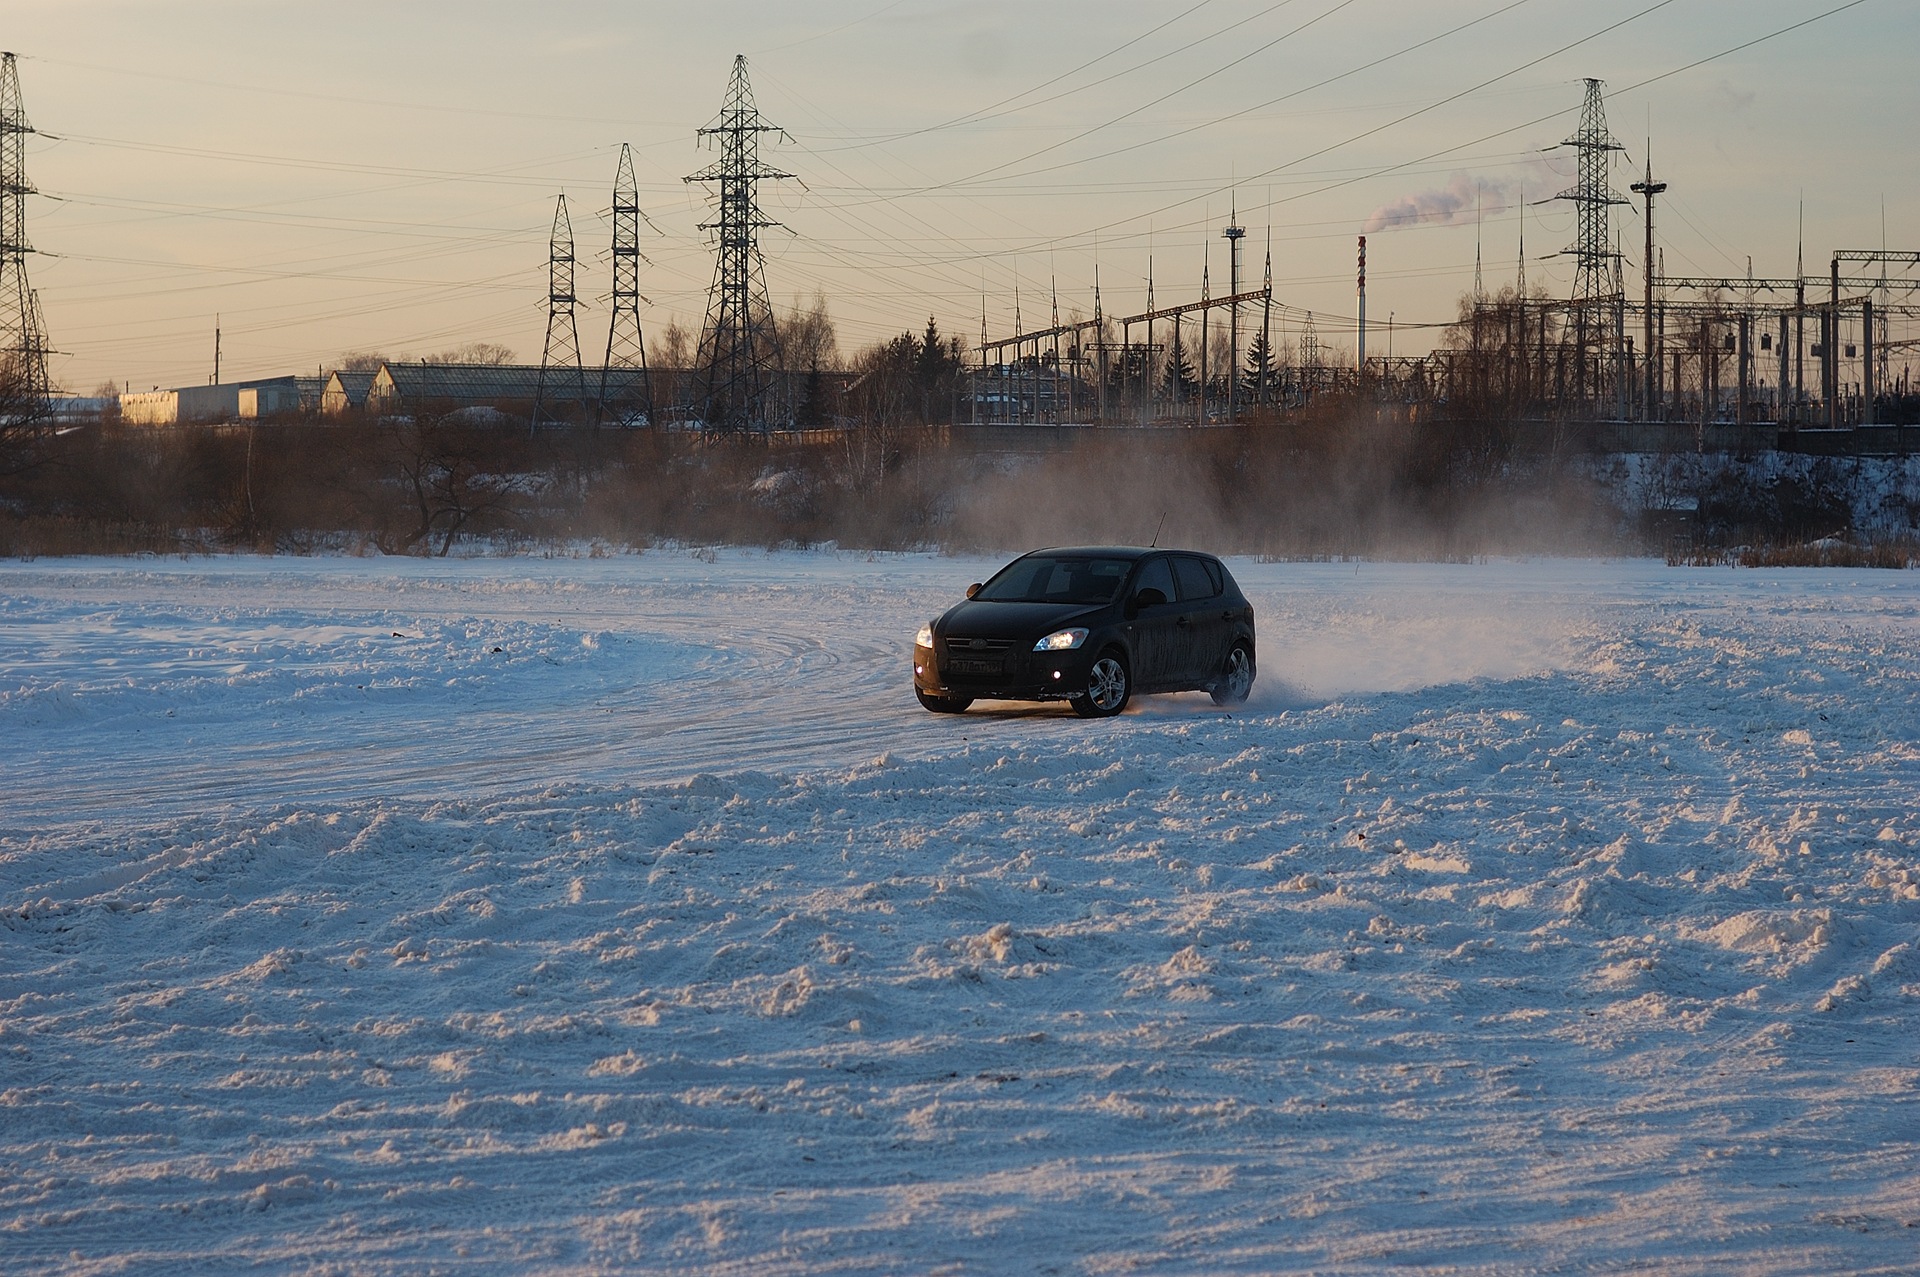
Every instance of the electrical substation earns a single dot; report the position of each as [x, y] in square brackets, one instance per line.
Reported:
[1807, 361]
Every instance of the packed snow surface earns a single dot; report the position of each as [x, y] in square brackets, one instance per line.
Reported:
[628, 915]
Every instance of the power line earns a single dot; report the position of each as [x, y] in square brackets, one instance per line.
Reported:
[1172, 93]
[392, 104]
[1285, 97]
[1414, 114]
[993, 111]
[823, 35]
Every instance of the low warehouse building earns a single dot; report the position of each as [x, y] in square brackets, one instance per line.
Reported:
[344, 392]
[508, 388]
[229, 401]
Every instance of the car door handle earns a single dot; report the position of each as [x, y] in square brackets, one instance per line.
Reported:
[1183, 622]
[1228, 616]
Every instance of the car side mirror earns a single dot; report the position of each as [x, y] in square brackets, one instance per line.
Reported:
[1148, 597]
[973, 589]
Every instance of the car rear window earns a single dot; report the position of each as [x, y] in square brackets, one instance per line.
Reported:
[1052, 578]
[1195, 581]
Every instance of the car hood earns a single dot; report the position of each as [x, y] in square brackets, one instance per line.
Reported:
[979, 619]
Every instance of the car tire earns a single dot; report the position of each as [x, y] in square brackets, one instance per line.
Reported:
[1236, 680]
[1109, 687]
[943, 704]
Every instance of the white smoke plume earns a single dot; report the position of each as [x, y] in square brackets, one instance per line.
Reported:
[1451, 205]
[1446, 205]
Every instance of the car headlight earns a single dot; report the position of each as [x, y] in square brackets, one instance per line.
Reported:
[924, 638]
[1061, 641]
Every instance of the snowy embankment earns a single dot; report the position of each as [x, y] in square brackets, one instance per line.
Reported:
[1534, 915]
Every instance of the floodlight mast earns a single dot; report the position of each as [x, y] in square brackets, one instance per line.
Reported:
[1647, 190]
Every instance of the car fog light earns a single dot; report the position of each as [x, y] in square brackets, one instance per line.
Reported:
[1056, 673]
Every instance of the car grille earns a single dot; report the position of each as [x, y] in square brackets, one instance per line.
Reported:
[976, 658]
[978, 647]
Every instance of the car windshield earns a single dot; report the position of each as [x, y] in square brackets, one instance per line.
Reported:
[1057, 578]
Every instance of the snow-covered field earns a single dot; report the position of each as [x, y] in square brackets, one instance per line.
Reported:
[628, 915]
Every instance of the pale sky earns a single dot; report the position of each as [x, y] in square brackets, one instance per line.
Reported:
[381, 176]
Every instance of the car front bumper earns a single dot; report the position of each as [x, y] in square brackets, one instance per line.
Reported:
[1024, 676]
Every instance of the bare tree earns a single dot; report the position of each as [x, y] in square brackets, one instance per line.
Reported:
[488, 353]
[453, 481]
[675, 345]
[360, 361]
[807, 336]
[671, 358]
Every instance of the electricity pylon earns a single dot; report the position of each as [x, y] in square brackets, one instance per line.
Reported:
[560, 370]
[626, 395]
[23, 344]
[1594, 296]
[739, 346]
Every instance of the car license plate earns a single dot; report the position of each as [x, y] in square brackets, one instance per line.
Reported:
[964, 665]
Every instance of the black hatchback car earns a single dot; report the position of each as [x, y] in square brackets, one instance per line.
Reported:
[1090, 626]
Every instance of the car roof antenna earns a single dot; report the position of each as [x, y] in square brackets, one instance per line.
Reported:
[1155, 543]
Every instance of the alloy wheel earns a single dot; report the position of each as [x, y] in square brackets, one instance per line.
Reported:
[1107, 685]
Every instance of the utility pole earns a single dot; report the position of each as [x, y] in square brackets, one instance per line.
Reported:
[1266, 319]
[626, 392]
[1830, 350]
[739, 345]
[1149, 378]
[1800, 318]
[216, 348]
[1019, 400]
[1309, 354]
[1099, 352]
[1233, 234]
[1866, 361]
[1781, 412]
[1748, 365]
[983, 348]
[1206, 327]
[1520, 274]
[23, 343]
[1054, 323]
[560, 359]
[1622, 344]
[1479, 288]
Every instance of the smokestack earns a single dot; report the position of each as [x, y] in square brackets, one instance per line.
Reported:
[1362, 365]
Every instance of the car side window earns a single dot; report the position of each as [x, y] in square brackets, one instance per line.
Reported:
[1156, 575]
[1195, 584]
[1216, 574]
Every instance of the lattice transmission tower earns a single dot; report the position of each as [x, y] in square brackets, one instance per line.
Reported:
[23, 343]
[739, 346]
[1596, 297]
[626, 395]
[561, 376]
